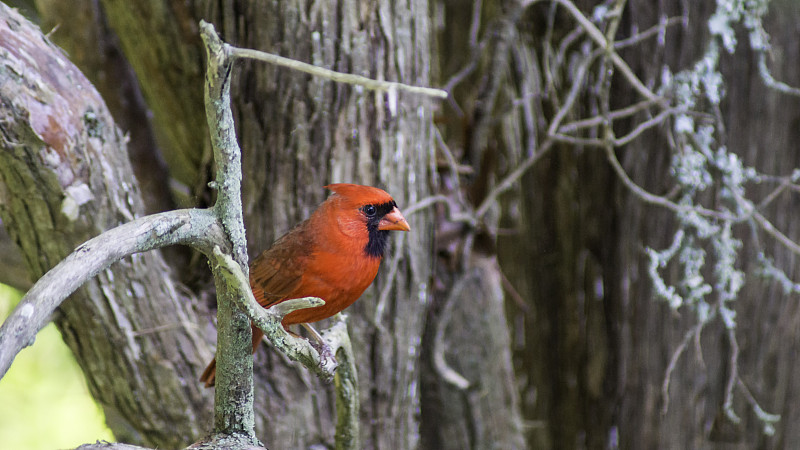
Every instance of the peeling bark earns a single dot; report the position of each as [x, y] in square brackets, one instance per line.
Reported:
[65, 177]
[80, 27]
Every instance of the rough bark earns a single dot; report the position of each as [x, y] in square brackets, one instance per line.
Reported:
[161, 41]
[12, 267]
[312, 132]
[592, 344]
[65, 177]
[298, 133]
[80, 27]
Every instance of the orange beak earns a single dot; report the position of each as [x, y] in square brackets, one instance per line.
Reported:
[394, 221]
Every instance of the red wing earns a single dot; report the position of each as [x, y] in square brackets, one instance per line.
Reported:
[277, 272]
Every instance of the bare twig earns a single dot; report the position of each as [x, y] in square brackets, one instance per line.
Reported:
[690, 335]
[733, 377]
[613, 115]
[658, 29]
[597, 36]
[517, 173]
[512, 178]
[642, 127]
[475, 24]
[452, 164]
[770, 229]
[782, 187]
[759, 411]
[439, 362]
[475, 48]
[658, 200]
[426, 203]
[328, 74]
[586, 142]
[770, 81]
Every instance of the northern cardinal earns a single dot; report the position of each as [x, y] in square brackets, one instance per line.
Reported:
[333, 255]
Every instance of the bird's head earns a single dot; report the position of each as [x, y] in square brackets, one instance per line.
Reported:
[367, 214]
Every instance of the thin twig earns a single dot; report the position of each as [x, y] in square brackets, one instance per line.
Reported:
[598, 120]
[660, 28]
[658, 200]
[572, 96]
[673, 362]
[770, 229]
[774, 194]
[597, 36]
[642, 127]
[332, 75]
[476, 48]
[574, 140]
[517, 173]
[732, 378]
[770, 81]
[512, 178]
[451, 163]
[762, 415]
[425, 203]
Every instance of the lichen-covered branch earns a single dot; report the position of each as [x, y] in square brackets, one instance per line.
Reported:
[346, 382]
[233, 405]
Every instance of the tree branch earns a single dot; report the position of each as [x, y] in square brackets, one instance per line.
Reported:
[233, 396]
[328, 74]
[597, 36]
[269, 320]
[194, 227]
[346, 382]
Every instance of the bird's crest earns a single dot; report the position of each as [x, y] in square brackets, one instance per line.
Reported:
[359, 194]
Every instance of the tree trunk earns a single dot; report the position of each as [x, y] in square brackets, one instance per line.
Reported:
[311, 132]
[65, 177]
[469, 393]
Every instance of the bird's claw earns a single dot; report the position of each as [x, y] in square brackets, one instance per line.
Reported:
[327, 360]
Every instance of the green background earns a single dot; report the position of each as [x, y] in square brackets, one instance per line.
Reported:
[44, 401]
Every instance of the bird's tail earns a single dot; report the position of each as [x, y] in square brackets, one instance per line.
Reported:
[210, 374]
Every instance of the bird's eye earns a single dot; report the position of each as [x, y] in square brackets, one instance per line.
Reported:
[369, 210]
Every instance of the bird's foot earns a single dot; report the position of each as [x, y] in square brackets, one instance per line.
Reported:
[326, 355]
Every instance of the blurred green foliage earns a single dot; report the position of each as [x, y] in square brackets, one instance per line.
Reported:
[44, 401]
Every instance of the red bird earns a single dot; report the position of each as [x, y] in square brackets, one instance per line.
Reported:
[334, 255]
